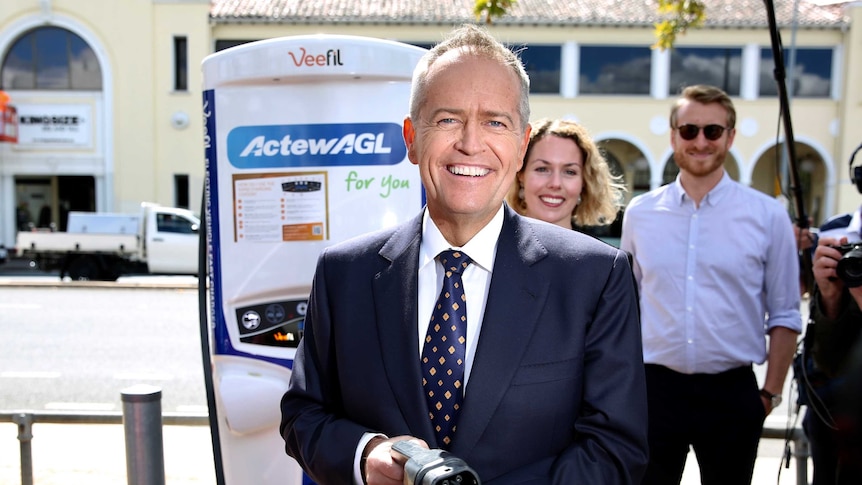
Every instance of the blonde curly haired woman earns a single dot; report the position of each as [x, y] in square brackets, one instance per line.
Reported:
[565, 179]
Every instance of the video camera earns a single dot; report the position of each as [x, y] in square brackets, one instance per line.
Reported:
[850, 265]
[434, 467]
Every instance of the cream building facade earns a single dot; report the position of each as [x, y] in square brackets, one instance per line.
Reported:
[108, 92]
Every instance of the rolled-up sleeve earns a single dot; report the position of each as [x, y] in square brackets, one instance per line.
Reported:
[782, 276]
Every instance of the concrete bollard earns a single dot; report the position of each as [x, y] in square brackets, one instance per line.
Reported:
[142, 424]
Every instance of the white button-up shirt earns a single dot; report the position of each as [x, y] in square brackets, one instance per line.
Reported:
[482, 249]
[713, 279]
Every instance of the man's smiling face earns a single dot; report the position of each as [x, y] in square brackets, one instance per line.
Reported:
[468, 140]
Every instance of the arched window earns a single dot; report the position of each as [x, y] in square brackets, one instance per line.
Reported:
[671, 170]
[50, 58]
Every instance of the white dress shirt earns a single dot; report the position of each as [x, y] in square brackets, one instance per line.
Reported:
[482, 250]
[713, 279]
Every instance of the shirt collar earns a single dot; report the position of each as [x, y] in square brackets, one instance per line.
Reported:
[855, 226]
[482, 248]
[713, 197]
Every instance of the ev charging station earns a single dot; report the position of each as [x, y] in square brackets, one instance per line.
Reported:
[304, 149]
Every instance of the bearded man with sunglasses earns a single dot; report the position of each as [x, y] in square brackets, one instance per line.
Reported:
[717, 269]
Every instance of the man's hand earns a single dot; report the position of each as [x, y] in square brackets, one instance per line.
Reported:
[384, 466]
[804, 239]
[825, 262]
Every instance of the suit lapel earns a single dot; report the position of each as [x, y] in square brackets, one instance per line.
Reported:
[395, 291]
[515, 298]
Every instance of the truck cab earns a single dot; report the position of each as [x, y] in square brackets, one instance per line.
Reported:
[170, 243]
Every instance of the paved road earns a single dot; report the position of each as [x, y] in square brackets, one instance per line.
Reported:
[74, 348]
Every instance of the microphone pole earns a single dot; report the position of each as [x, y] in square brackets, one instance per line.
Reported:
[795, 187]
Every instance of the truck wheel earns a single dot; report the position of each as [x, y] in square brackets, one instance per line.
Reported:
[111, 272]
[84, 269]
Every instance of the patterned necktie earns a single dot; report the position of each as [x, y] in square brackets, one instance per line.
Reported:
[444, 350]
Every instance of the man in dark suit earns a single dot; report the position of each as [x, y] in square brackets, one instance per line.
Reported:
[549, 383]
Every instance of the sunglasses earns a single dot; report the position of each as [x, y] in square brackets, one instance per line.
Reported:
[711, 132]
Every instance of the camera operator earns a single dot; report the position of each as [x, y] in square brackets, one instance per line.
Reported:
[832, 420]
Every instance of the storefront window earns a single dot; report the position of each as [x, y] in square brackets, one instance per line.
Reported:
[51, 58]
[614, 70]
[811, 76]
[542, 63]
[717, 66]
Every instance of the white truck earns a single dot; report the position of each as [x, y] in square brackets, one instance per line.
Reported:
[105, 246]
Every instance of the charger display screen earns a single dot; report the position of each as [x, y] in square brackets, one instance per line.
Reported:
[273, 324]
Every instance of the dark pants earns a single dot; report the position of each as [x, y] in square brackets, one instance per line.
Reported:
[835, 453]
[824, 450]
[719, 415]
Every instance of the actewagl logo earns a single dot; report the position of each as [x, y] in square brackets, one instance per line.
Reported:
[275, 146]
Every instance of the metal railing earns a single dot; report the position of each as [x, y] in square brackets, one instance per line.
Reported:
[144, 439]
[801, 450]
[142, 421]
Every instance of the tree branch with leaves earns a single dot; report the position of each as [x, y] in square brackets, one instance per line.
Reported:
[684, 14]
[491, 9]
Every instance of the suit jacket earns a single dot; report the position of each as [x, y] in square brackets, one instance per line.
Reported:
[556, 393]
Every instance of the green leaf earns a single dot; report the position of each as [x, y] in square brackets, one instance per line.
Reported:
[491, 9]
[684, 15]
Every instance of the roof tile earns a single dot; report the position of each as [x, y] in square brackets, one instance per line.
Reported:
[720, 13]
